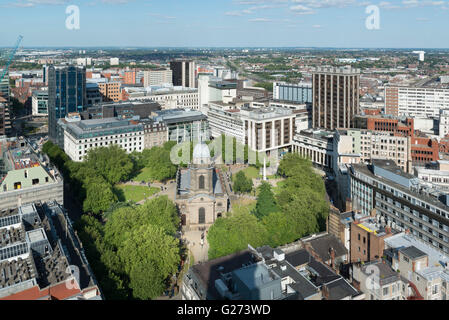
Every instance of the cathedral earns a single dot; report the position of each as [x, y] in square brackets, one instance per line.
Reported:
[201, 192]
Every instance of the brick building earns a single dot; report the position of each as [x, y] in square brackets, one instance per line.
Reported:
[423, 149]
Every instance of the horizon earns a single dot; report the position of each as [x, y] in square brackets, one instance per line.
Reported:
[400, 24]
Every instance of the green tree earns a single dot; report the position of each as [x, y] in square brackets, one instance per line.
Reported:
[242, 183]
[149, 256]
[229, 235]
[266, 202]
[99, 195]
[112, 163]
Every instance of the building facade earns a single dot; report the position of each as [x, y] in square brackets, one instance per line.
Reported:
[401, 201]
[416, 102]
[81, 136]
[157, 77]
[183, 73]
[335, 97]
[299, 93]
[66, 93]
[39, 103]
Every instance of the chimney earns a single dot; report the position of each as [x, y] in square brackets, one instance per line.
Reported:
[407, 231]
[348, 204]
[332, 254]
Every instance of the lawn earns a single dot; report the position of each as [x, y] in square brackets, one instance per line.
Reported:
[144, 175]
[134, 193]
[242, 205]
[250, 172]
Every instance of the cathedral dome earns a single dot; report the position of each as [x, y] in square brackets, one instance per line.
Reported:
[201, 153]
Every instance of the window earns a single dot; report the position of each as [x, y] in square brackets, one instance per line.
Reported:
[201, 216]
[201, 182]
[35, 181]
[385, 291]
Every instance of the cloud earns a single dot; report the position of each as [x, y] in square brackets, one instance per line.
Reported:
[162, 16]
[316, 26]
[260, 20]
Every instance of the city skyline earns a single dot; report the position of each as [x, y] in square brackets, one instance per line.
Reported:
[285, 23]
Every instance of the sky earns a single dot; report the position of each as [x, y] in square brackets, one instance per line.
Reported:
[227, 23]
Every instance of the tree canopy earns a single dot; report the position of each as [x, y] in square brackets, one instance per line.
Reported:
[242, 183]
[299, 209]
[266, 202]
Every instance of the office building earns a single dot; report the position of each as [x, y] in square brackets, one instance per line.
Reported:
[66, 94]
[335, 97]
[93, 94]
[416, 102]
[155, 133]
[114, 61]
[110, 91]
[41, 257]
[168, 97]
[5, 121]
[317, 145]
[436, 173]
[140, 109]
[83, 135]
[26, 176]
[299, 93]
[268, 129]
[224, 119]
[39, 103]
[183, 73]
[184, 125]
[423, 149]
[157, 77]
[401, 201]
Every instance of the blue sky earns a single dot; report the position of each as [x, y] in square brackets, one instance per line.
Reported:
[213, 23]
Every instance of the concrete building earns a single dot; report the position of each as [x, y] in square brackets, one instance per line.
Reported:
[201, 195]
[114, 61]
[349, 144]
[417, 102]
[335, 97]
[401, 201]
[26, 176]
[184, 73]
[41, 257]
[66, 94]
[140, 109]
[317, 145]
[39, 103]
[268, 129]
[423, 149]
[155, 133]
[224, 119]
[168, 97]
[81, 136]
[435, 173]
[156, 77]
[299, 93]
[183, 125]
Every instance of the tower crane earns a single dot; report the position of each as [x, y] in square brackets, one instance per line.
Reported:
[11, 56]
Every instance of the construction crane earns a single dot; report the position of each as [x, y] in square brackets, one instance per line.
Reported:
[11, 56]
